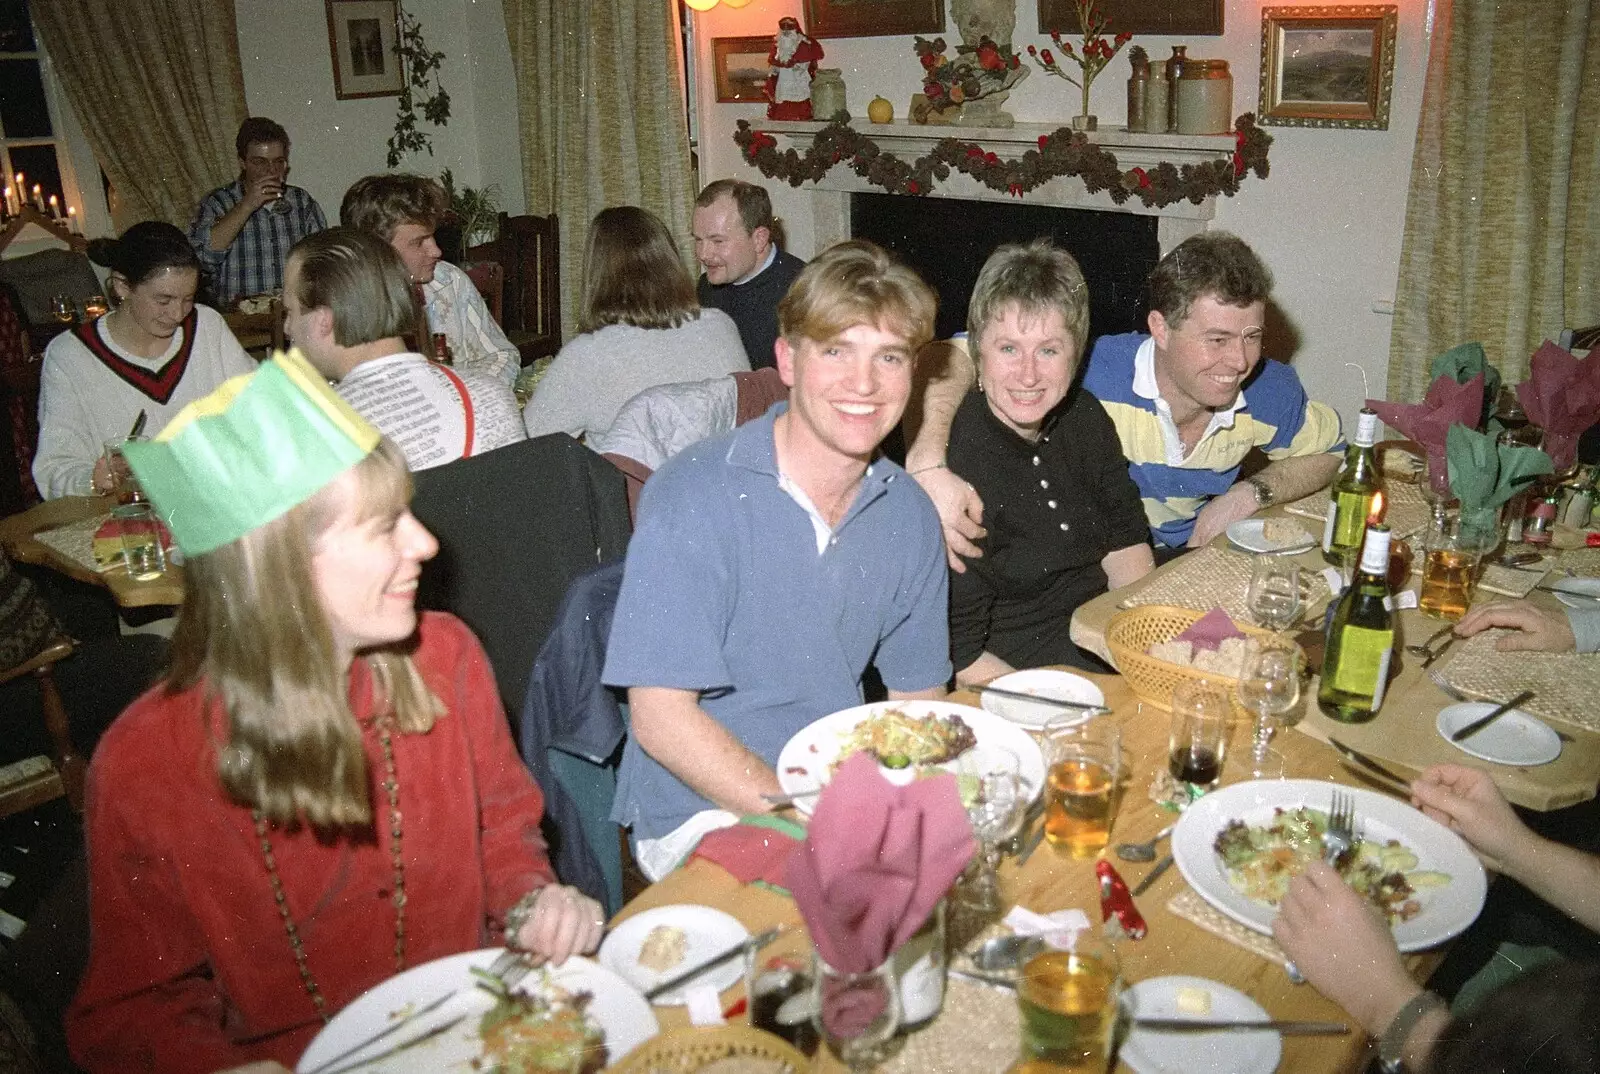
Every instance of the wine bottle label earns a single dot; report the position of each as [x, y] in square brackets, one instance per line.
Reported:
[1364, 655]
[1327, 526]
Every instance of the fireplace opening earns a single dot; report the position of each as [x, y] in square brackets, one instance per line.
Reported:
[947, 241]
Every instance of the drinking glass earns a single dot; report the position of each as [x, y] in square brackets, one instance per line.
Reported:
[95, 306]
[1274, 596]
[1198, 744]
[126, 487]
[62, 309]
[1070, 1002]
[141, 541]
[856, 1014]
[1456, 543]
[1269, 686]
[995, 799]
[769, 987]
[1085, 760]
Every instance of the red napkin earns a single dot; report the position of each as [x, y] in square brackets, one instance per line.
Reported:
[1210, 630]
[1561, 395]
[876, 860]
[750, 852]
[106, 544]
[1447, 403]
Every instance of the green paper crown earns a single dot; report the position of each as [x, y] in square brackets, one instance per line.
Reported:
[248, 452]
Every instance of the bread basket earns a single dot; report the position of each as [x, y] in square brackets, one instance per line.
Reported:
[1131, 633]
[730, 1047]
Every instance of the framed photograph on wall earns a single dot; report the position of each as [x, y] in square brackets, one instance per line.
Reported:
[363, 37]
[1327, 66]
[873, 18]
[741, 68]
[1193, 18]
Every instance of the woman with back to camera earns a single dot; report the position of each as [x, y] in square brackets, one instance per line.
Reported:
[641, 326]
[155, 352]
[324, 790]
[1064, 519]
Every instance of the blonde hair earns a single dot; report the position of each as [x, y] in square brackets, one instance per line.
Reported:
[853, 283]
[1036, 278]
[255, 636]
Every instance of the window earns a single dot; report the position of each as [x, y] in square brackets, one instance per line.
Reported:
[28, 135]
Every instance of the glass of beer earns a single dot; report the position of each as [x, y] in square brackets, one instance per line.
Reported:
[1069, 998]
[1198, 743]
[1085, 760]
[1454, 551]
[140, 532]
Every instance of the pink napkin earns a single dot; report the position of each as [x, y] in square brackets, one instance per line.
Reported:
[1562, 395]
[750, 852]
[1447, 403]
[1210, 630]
[876, 860]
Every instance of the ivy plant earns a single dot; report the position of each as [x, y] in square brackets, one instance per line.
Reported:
[420, 90]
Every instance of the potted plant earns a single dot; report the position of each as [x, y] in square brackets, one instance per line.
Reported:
[420, 89]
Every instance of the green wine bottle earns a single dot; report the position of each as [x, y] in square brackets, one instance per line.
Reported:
[1360, 642]
[1351, 496]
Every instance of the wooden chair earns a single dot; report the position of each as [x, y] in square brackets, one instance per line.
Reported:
[489, 277]
[65, 776]
[529, 250]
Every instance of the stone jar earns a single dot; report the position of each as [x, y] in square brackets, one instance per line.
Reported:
[827, 93]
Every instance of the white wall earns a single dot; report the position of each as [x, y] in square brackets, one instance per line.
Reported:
[1328, 220]
[288, 76]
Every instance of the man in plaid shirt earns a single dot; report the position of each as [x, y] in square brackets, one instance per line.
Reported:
[243, 232]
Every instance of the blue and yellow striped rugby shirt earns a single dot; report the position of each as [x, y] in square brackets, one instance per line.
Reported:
[1272, 413]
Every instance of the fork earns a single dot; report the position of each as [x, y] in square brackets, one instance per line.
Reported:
[1340, 835]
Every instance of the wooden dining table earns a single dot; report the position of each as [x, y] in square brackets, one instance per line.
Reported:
[1051, 880]
[19, 536]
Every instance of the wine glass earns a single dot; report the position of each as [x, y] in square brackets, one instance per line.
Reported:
[1274, 596]
[856, 1013]
[995, 799]
[1269, 686]
[62, 309]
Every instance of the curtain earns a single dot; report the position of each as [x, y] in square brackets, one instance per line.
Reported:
[1502, 241]
[160, 92]
[602, 118]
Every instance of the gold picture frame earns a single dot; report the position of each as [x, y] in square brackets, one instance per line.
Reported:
[741, 68]
[364, 37]
[1329, 66]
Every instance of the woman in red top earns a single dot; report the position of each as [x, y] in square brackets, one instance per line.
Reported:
[322, 792]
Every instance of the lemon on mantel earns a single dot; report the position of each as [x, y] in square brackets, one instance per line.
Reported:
[880, 111]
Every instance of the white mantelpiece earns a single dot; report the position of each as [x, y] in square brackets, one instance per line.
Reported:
[911, 141]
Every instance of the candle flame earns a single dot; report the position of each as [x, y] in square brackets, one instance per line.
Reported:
[1375, 516]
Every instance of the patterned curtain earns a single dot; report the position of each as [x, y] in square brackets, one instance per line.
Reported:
[602, 118]
[160, 92]
[1502, 239]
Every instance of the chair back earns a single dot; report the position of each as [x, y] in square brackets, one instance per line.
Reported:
[515, 526]
[489, 277]
[20, 367]
[528, 249]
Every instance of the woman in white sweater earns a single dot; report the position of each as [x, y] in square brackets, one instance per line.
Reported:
[641, 326]
[156, 353]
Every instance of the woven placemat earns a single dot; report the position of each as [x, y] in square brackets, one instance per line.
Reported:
[1584, 561]
[1195, 910]
[75, 540]
[1218, 578]
[1407, 512]
[1564, 684]
[978, 1029]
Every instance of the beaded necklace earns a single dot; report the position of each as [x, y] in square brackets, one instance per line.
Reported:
[391, 787]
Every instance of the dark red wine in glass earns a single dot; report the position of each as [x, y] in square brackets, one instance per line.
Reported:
[1193, 764]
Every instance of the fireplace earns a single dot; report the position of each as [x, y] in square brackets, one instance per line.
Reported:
[947, 241]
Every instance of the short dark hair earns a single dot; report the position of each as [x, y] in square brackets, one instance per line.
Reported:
[633, 274]
[1214, 263]
[259, 130]
[753, 202]
[1543, 1022]
[379, 204]
[143, 250]
[360, 278]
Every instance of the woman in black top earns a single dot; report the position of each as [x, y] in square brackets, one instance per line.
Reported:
[1063, 517]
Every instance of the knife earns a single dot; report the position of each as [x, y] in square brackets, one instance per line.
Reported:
[138, 425]
[1287, 1028]
[438, 1030]
[753, 943]
[1153, 875]
[1385, 775]
[1017, 695]
[1490, 717]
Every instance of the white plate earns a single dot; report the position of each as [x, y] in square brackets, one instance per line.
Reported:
[1514, 739]
[1250, 535]
[621, 1012]
[1150, 1051]
[1042, 682]
[709, 932]
[806, 761]
[1576, 592]
[1445, 911]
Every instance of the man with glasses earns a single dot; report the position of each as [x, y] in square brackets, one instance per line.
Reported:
[1190, 400]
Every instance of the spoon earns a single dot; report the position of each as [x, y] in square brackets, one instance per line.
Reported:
[1143, 851]
[1006, 952]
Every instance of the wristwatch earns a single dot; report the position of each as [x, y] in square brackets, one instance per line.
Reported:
[1392, 1045]
[1264, 493]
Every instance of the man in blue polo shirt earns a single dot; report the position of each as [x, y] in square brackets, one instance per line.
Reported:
[772, 565]
[1190, 400]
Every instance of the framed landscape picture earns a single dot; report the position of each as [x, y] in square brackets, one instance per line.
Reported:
[362, 35]
[1327, 66]
[873, 18]
[1189, 17]
[741, 67]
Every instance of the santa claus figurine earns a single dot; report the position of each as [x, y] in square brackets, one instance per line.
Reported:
[793, 61]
